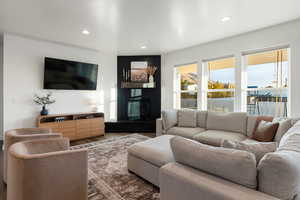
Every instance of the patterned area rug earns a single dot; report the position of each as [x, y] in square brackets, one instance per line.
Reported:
[109, 178]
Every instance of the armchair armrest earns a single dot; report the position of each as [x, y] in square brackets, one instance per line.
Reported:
[65, 171]
[20, 138]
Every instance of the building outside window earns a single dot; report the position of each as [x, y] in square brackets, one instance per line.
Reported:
[221, 85]
[267, 83]
[185, 86]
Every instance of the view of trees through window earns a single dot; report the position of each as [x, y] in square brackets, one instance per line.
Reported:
[221, 84]
[186, 86]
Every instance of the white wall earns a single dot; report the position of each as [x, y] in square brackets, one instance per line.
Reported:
[23, 77]
[1, 86]
[276, 36]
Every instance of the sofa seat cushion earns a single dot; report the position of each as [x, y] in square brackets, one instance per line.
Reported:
[215, 137]
[156, 151]
[185, 131]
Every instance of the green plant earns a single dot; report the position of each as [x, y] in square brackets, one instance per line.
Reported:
[43, 100]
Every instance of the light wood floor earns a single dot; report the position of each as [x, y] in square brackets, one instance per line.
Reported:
[108, 135]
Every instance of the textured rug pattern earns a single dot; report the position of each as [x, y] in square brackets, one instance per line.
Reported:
[109, 178]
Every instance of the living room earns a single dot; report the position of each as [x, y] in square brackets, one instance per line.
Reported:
[102, 100]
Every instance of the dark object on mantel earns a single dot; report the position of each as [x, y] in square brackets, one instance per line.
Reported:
[130, 127]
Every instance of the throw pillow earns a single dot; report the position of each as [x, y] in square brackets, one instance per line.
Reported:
[234, 165]
[259, 149]
[284, 126]
[169, 118]
[187, 118]
[265, 131]
[259, 119]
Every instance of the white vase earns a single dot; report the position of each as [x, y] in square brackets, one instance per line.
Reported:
[151, 79]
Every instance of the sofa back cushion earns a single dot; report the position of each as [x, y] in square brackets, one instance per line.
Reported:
[169, 118]
[234, 122]
[284, 126]
[201, 119]
[291, 139]
[234, 165]
[187, 118]
[259, 149]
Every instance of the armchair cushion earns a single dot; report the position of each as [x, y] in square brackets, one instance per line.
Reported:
[233, 165]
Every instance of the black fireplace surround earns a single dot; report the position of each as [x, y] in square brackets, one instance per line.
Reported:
[138, 108]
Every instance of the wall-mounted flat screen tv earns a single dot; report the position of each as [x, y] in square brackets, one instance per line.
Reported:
[69, 75]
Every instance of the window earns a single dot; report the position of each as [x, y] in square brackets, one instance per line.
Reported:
[185, 86]
[221, 85]
[256, 82]
[267, 83]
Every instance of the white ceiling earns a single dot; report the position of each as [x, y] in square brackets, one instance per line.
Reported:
[126, 25]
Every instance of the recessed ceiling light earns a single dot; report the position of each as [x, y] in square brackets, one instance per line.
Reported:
[225, 19]
[143, 47]
[85, 32]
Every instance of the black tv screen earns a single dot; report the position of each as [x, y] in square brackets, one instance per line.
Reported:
[69, 75]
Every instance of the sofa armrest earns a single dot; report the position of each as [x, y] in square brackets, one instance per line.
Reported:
[285, 164]
[179, 182]
[159, 127]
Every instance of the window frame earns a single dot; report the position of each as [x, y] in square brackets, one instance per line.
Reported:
[206, 74]
[177, 87]
[241, 80]
[245, 66]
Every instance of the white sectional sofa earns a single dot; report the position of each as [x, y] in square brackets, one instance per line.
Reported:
[210, 127]
[190, 166]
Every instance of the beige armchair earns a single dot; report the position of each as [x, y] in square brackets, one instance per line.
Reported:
[24, 134]
[47, 170]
